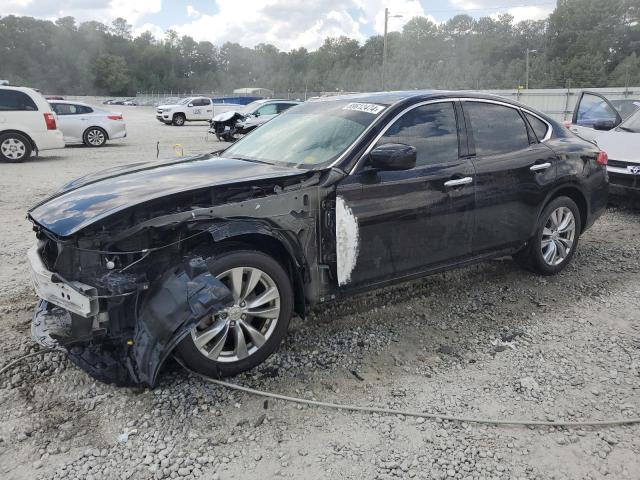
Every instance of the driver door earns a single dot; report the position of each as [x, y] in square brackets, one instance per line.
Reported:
[393, 224]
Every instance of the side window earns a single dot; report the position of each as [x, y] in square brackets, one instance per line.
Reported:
[270, 109]
[496, 129]
[539, 127]
[12, 100]
[593, 108]
[201, 102]
[284, 106]
[65, 109]
[83, 109]
[431, 129]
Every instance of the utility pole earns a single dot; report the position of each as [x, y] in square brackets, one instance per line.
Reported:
[526, 82]
[384, 46]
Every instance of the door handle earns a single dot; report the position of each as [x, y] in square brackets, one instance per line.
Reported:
[540, 166]
[458, 182]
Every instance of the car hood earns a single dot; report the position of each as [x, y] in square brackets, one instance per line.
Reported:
[620, 145]
[94, 197]
[165, 107]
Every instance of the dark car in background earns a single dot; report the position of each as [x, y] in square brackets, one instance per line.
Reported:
[208, 257]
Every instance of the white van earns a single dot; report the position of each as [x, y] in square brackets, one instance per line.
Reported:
[27, 124]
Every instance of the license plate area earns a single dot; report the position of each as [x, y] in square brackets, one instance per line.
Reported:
[76, 297]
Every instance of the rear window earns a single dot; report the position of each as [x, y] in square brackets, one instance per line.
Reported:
[539, 127]
[13, 100]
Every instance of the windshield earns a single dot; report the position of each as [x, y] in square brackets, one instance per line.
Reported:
[249, 107]
[311, 135]
[632, 124]
[184, 101]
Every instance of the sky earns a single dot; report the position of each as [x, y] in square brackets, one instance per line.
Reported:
[287, 24]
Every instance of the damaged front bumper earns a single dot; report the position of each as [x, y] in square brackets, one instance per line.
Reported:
[72, 316]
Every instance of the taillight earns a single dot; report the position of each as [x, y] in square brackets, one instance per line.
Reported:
[50, 120]
[114, 117]
[603, 158]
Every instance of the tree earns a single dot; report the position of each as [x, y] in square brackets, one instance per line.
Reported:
[111, 74]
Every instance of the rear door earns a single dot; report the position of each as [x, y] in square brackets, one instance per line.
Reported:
[514, 172]
[397, 223]
[71, 122]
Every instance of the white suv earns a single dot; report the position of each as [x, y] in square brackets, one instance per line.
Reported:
[27, 124]
[186, 110]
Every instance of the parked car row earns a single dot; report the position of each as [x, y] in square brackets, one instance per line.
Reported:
[30, 124]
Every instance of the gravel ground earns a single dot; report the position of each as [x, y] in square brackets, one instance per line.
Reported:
[487, 341]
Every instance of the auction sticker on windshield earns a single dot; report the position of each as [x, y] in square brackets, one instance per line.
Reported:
[364, 107]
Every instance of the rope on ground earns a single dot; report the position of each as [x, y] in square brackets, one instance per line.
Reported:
[385, 411]
[10, 365]
[409, 413]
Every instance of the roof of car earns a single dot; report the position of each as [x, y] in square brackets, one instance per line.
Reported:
[389, 98]
[71, 102]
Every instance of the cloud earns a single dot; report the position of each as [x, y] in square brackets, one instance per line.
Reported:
[192, 12]
[82, 10]
[515, 8]
[290, 24]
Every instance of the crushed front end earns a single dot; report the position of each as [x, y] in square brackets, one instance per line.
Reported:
[116, 321]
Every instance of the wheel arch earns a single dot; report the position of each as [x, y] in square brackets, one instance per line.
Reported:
[95, 126]
[259, 236]
[20, 132]
[575, 193]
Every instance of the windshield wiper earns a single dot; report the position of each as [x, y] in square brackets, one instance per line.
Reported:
[627, 129]
[248, 159]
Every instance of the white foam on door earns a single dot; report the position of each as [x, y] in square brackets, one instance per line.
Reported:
[347, 238]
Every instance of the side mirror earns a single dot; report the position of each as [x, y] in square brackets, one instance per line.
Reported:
[256, 114]
[393, 156]
[604, 125]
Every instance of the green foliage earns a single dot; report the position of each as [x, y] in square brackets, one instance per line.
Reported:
[584, 43]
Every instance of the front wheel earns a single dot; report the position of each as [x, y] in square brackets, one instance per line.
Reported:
[244, 334]
[556, 239]
[178, 120]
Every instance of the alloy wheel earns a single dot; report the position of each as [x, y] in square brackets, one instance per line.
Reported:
[558, 236]
[240, 330]
[95, 137]
[13, 148]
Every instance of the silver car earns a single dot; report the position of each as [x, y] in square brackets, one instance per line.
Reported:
[82, 123]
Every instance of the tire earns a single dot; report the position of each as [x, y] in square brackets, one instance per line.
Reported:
[14, 148]
[178, 119]
[94, 137]
[220, 333]
[556, 239]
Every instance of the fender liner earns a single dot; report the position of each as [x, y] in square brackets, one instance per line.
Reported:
[183, 297]
[226, 230]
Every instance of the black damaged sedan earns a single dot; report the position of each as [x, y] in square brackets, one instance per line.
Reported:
[208, 257]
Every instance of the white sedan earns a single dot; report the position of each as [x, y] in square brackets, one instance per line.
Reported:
[82, 123]
[622, 144]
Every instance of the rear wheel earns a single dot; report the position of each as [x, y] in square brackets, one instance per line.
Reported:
[14, 148]
[178, 119]
[556, 239]
[94, 137]
[244, 334]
